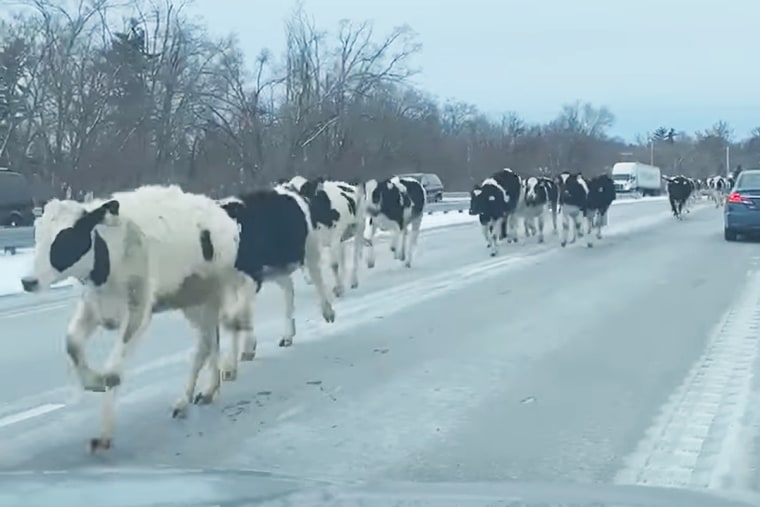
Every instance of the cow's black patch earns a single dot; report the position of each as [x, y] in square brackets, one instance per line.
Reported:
[72, 243]
[207, 247]
[273, 232]
[101, 266]
[350, 201]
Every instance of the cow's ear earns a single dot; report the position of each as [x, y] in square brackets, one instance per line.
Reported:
[100, 215]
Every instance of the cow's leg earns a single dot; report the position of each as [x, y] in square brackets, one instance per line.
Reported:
[590, 219]
[403, 243]
[540, 220]
[81, 327]
[313, 261]
[286, 284]
[337, 263]
[414, 235]
[138, 318]
[554, 219]
[237, 315]
[205, 319]
[371, 243]
[512, 219]
[565, 229]
[357, 252]
[486, 230]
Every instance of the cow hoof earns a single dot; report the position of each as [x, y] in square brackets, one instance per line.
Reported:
[370, 264]
[563, 244]
[338, 291]
[203, 399]
[229, 375]
[99, 443]
[590, 245]
[286, 342]
[179, 410]
[111, 380]
[541, 240]
[354, 284]
[248, 356]
[328, 313]
[493, 254]
[408, 264]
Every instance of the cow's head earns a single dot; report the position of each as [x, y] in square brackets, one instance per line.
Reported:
[66, 238]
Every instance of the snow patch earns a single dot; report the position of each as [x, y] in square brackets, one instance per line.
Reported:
[702, 435]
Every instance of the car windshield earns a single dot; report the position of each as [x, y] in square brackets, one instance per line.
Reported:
[748, 181]
[226, 274]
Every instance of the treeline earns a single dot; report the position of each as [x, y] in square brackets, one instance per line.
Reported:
[95, 99]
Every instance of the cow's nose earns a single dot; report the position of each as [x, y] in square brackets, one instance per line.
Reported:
[30, 284]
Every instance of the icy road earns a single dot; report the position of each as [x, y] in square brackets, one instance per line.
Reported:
[631, 362]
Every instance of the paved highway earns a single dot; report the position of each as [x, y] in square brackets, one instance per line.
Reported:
[631, 362]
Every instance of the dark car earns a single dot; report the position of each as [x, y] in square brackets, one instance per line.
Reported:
[16, 202]
[741, 213]
[431, 182]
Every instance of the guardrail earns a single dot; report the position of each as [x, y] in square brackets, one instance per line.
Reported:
[16, 238]
[13, 238]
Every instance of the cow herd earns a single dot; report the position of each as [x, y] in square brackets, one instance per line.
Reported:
[158, 248]
[683, 191]
[504, 198]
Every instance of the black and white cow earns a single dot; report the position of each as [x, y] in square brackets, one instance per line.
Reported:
[277, 236]
[601, 194]
[679, 189]
[539, 194]
[718, 187]
[397, 204]
[138, 253]
[573, 198]
[338, 209]
[495, 201]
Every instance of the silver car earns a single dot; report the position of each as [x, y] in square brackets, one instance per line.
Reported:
[431, 182]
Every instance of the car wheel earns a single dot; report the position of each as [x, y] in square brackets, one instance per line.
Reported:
[729, 234]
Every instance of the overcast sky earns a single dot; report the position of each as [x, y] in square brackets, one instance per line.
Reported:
[680, 63]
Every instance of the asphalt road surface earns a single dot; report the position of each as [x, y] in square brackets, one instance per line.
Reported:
[631, 362]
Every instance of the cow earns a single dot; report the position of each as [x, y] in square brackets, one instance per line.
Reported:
[679, 190]
[717, 186]
[495, 201]
[338, 210]
[573, 197]
[538, 195]
[396, 203]
[601, 194]
[139, 253]
[277, 236]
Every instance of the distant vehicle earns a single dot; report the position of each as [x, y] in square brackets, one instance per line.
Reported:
[741, 212]
[636, 177]
[16, 202]
[432, 183]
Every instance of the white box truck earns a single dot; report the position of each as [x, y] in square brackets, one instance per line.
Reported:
[636, 177]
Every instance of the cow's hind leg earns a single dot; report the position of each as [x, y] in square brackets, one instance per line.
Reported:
[205, 319]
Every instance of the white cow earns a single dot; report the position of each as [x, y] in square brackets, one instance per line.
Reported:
[137, 253]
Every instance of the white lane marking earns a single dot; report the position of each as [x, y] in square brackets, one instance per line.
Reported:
[703, 432]
[30, 414]
[385, 302]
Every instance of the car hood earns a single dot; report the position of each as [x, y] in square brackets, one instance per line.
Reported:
[214, 487]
